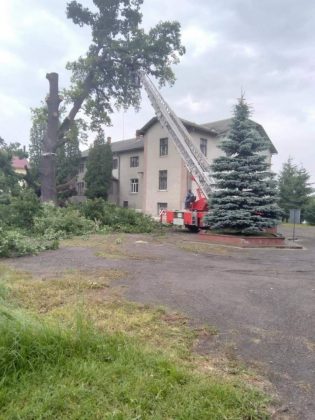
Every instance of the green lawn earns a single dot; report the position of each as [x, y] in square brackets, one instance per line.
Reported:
[57, 364]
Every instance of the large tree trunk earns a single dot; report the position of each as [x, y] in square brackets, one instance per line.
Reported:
[56, 134]
[48, 158]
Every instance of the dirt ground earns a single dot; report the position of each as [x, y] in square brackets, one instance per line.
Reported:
[262, 301]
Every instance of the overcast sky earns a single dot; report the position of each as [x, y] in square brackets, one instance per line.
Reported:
[266, 48]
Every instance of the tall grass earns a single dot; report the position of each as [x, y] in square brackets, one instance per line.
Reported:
[48, 371]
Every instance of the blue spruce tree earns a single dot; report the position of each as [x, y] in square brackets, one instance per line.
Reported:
[245, 197]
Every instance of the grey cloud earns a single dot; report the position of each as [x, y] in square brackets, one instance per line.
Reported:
[264, 47]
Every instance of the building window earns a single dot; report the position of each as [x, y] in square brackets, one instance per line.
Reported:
[115, 163]
[81, 167]
[203, 146]
[80, 188]
[134, 161]
[134, 184]
[160, 207]
[164, 147]
[125, 204]
[163, 180]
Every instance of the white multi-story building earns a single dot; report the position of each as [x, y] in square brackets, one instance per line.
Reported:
[148, 171]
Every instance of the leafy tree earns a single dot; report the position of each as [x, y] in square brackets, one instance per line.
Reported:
[14, 148]
[9, 180]
[37, 134]
[102, 79]
[245, 198]
[68, 160]
[99, 169]
[294, 188]
[309, 212]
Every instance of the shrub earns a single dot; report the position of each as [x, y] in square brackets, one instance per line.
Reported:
[19, 211]
[24, 208]
[13, 243]
[117, 218]
[55, 222]
[93, 209]
[5, 209]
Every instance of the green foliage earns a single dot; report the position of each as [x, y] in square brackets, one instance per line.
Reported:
[119, 47]
[294, 187]
[18, 211]
[37, 134]
[117, 219]
[68, 161]
[309, 212]
[28, 227]
[14, 148]
[23, 209]
[9, 180]
[13, 243]
[99, 169]
[245, 198]
[79, 373]
[61, 222]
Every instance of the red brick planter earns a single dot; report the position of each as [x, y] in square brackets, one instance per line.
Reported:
[244, 241]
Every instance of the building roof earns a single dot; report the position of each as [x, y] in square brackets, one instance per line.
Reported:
[18, 163]
[187, 124]
[222, 127]
[216, 128]
[123, 146]
[219, 127]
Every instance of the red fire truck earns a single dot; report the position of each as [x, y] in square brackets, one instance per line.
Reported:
[193, 217]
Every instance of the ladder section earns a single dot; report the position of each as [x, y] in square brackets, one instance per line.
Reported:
[194, 160]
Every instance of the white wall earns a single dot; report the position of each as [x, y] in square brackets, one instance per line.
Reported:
[179, 180]
[125, 173]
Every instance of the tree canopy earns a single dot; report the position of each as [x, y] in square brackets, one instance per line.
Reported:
[9, 179]
[104, 77]
[294, 187]
[245, 197]
[99, 169]
[309, 211]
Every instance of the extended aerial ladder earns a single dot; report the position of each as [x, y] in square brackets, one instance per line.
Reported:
[194, 160]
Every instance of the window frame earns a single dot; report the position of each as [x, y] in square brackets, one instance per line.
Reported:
[80, 187]
[204, 146]
[134, 161]
[161, 206]
[163, 146]
[163, 180]
[134, 185]
[115, 165]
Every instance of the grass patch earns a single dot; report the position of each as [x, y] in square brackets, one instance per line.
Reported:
[96, 294]
[202, 248]
[112, 246]
[75, 349]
